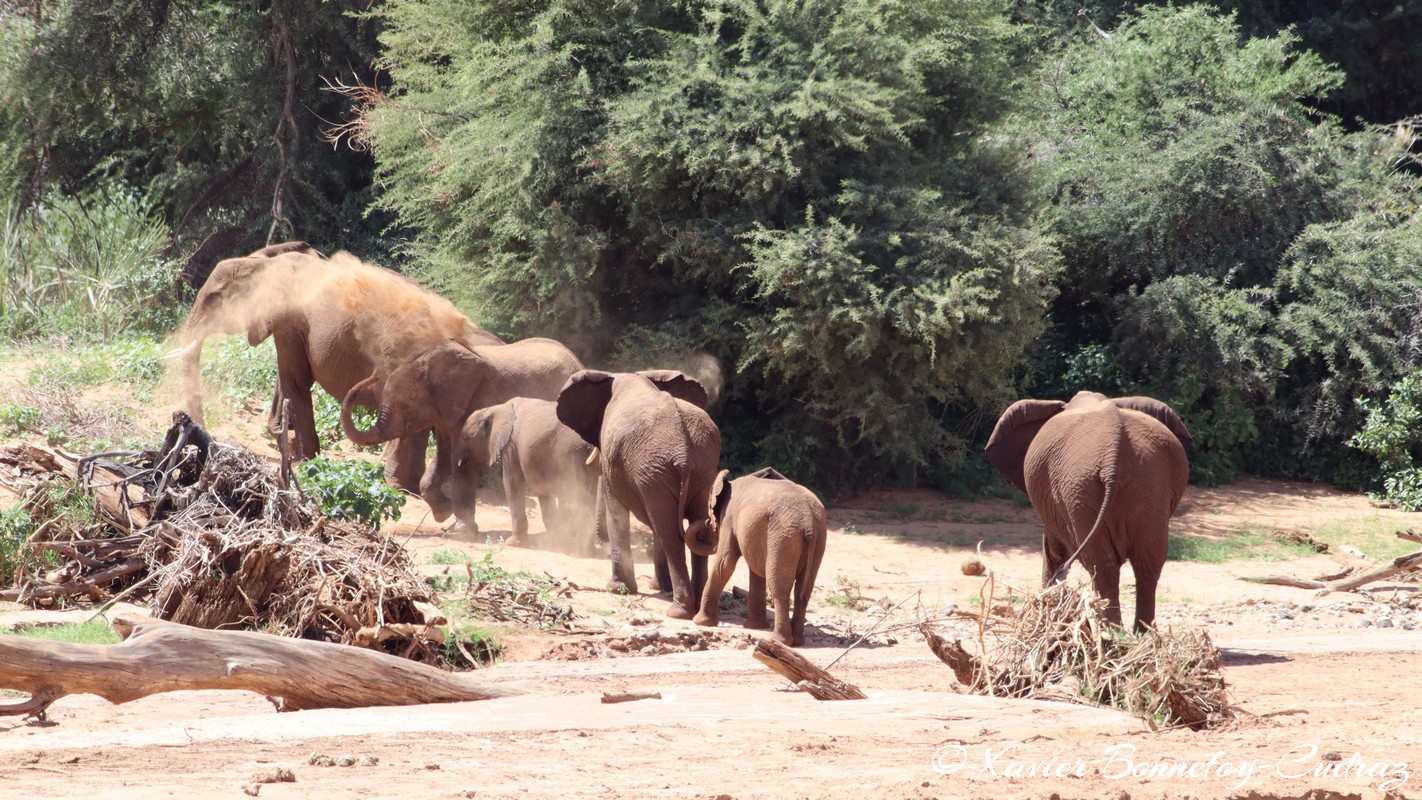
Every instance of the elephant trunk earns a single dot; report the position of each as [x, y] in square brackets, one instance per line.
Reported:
[192, 379]
[702, 538]
[361, 395]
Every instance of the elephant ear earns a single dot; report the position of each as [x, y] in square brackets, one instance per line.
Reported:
[1007, 447]
[503, 427]
[452, 375]
[1162, 412]
[768, 473]
[582, 402]
[678, 385]
[720, 496]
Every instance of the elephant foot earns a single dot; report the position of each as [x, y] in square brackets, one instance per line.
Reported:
[706, 620]
[516, 541]
[460, 526]
[617, 586]
[653, 585]
[679, 611]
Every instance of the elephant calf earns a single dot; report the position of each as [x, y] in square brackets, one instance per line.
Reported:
[779, 526]
[542, 457]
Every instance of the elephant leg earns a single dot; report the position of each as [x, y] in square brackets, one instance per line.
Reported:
[665, 521]
[552, 518]
[514, 496]
[1055, 552]
[724, 565]
[1147, 578]
[660, 570]
[405, 461]
[1106, 578]
[613, 517]
[698, 576]
[778, 586]
[755, 604]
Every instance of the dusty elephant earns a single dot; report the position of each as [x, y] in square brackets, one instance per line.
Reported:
[541, 457]
[440, 388]
[779, 526]
[1105, 476]
[334, 322]
[659, 454]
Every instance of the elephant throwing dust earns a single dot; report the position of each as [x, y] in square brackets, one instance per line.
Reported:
[1105, 476]
[334, 322]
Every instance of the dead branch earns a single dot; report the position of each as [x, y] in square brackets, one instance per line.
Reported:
[809, 678]
[158, 656]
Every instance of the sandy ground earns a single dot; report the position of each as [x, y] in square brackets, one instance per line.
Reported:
[1325, 686]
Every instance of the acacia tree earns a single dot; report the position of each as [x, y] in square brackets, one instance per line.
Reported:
[803, 189]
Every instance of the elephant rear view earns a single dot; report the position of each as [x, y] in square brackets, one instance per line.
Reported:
[1105, 476]
[779, 526]
[659, 456]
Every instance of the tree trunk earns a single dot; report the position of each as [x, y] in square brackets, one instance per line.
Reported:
[159, 656]
[799, 671]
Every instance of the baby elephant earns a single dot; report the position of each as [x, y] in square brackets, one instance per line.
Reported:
[779, 526]
[542, 457]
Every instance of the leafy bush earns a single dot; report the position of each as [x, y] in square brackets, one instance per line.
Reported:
[16, 527]
[350, 489]
[86, 265]
[18, 418]
[1392, 434]
[242, 374]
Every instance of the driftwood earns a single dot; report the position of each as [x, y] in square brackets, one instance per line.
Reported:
[809, 678]
[159, 656]
[628, 697]
[1411, 562]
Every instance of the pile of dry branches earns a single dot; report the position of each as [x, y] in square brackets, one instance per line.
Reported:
[206, 532]
[1058, 647]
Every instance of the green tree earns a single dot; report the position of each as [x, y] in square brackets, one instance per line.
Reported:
[805, 190]
[214, 110]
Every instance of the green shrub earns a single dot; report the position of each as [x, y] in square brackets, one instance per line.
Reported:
[17, 418]
[350, 489]
[87, 265]
[16, 527]
[1393, 435]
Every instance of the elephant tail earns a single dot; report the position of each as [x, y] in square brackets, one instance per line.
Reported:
[810, 558]
[1108, 481]
[700, 536]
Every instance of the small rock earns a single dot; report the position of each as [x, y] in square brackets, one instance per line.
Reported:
[346, 761]
[321, 760]
[252, 789]
[1384, 623]
[1285, 615]
[369, 761]
[278, 775]
[432, 767]
[1332, 755]
[948, 609]
[1365, 623]
[1407, 626]
[1305, 608]
[650, 650]
[973, 566]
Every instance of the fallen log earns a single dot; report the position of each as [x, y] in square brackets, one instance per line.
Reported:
[158, 656]
[1411, 562]
[809, 678]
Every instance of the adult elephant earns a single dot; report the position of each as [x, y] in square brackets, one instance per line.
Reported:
[659, 453]
[1105, 475]
[440, 388]
[334, 322]
[541, 457]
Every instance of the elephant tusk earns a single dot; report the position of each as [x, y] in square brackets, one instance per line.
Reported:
[592, 456]
[181, 350]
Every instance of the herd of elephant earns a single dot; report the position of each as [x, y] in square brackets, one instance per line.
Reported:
[596, 448]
